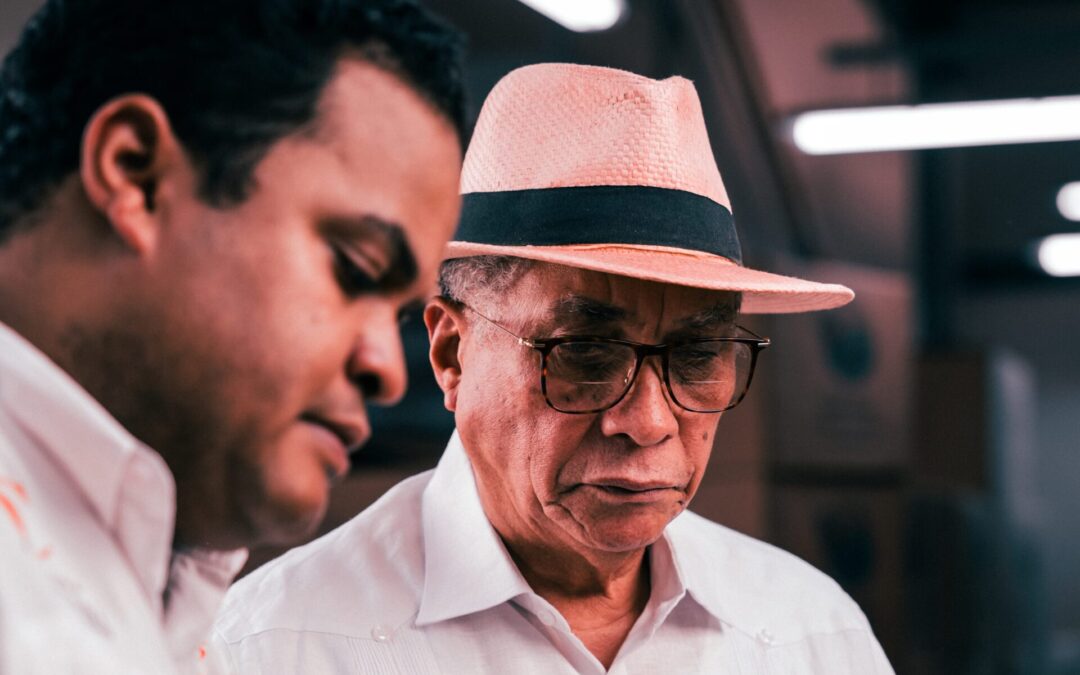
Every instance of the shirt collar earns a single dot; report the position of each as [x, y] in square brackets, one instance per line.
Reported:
[467, 568]
[695, 563]
[127, 485]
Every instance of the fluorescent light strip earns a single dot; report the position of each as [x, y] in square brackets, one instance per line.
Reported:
[937, 125]
[1068, 201]
[582, 16]
[1059, 255]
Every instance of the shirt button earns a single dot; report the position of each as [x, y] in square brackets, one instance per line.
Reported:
[765, 636]
[380, 634]
[547, 618]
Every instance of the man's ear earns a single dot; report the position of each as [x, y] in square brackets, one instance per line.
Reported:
[444, 322]
[127, 147]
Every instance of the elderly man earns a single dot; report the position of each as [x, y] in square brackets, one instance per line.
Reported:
[211, 216]
[586, 341]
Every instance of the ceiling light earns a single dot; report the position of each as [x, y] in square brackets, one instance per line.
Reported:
[1068, 201]
[937, 125]
[583, 16]
[1059, 255]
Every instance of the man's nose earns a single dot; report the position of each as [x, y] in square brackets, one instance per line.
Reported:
[646, 414]
[377, 363]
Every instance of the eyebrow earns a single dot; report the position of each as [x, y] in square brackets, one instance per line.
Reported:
[584, 313]
[401, 268]
[581, 312]
[709, 319]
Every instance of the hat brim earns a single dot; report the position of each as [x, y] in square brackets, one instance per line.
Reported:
[763, 292]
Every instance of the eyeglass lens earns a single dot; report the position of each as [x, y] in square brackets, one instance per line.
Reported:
[704, 376]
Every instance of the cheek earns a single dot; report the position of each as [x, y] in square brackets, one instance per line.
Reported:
[290, 357]
[525, 444]
[495, 392]
[556, 461]
[698, 436]
[272, 310]
[264, 383]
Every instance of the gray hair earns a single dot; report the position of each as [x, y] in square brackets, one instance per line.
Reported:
[463, 278]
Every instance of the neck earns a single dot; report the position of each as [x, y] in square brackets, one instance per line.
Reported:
[600, 596]
[571, 574]
[53, 267]
[27, 298]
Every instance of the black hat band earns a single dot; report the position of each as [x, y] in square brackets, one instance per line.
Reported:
[607, 214]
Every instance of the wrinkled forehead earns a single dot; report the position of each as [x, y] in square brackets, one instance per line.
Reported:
[566, 298]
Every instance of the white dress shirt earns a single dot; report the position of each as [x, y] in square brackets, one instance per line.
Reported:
[421, 583]
[88, 579]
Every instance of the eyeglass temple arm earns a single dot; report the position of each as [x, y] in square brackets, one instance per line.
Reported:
[763, 341]
[533, 344]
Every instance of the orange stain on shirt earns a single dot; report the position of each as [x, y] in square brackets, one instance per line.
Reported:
[13, 513]
[9, 506]
[16, 487]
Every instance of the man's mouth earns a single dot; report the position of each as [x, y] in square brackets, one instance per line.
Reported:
[616, 490]
[342, 435]
[631, 491]
[352, 433]
[629, 486]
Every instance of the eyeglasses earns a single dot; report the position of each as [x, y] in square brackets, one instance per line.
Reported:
[584, 374]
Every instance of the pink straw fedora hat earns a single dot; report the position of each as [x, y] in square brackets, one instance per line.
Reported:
[610, 171]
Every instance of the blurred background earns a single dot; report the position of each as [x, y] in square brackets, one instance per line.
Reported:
[920, 445]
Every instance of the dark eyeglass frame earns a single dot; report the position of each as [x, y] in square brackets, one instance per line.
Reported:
[755, 342]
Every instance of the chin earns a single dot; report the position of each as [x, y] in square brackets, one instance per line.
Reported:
[624, 537]
[291, 527]
[289, 513]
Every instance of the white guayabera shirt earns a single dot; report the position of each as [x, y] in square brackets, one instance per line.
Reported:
[421, 583]
[88, 579]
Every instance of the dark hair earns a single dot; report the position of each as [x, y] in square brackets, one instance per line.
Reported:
[234, 76]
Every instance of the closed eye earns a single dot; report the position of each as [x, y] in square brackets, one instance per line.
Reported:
[352, 278]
